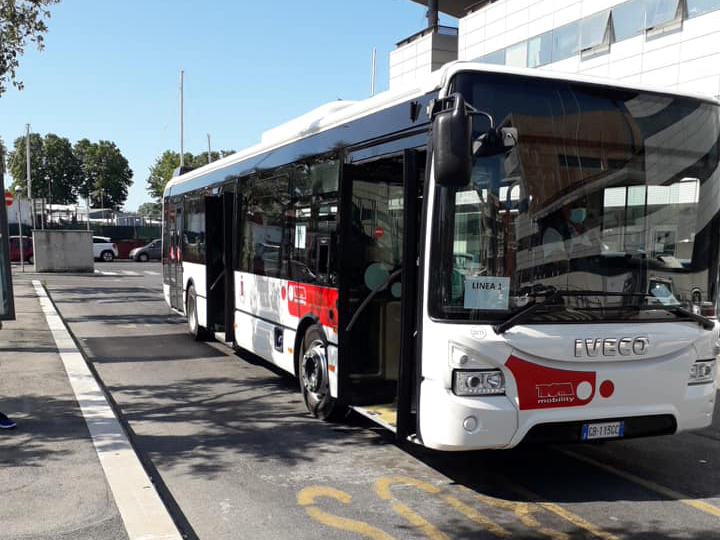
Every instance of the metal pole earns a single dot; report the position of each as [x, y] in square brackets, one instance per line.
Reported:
[372, 77]
[29, 176]
[20, 240]
[432, 13]
[209, 152]
[182, 142]
[87, 217]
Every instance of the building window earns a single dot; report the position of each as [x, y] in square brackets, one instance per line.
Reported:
[595, 34]
[628, 19]
[497, 57]
[700, 7]
[660, 12]
[516, 55]
[540, 50]
[566, 41]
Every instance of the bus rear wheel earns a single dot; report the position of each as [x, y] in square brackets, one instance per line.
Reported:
[314, 377]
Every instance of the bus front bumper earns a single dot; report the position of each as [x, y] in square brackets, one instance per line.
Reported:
[450, 422]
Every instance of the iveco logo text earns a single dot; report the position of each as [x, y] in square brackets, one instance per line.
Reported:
[611, 346]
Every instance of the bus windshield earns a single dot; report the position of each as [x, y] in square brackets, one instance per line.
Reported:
[607, 190]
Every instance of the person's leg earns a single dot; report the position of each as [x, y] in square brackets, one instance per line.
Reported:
[5, 422]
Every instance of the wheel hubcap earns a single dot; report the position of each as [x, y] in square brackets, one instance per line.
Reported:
[314, 369]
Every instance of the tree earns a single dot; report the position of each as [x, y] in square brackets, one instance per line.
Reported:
[150, 210]
[162, 170]
[202, 158]
[106, 174]
[55, 171]
[20, 21]
[84, 152]
[3, 153]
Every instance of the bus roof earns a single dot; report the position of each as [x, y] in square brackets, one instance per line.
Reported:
[338, 112]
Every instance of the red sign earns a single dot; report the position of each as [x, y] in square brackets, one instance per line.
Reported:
[8, 198]
[379, 231]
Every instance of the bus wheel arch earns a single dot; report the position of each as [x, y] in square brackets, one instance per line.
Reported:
[307, 322]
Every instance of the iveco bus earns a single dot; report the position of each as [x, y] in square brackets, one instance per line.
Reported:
[490, 256]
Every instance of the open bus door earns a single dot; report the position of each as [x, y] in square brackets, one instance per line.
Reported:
[219, 219]
[174, 223]
[378, 290]
[7, 304]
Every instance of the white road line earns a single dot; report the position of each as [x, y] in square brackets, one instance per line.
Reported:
[143, 513]
[103, 273]
[130, 273]
[150, 272]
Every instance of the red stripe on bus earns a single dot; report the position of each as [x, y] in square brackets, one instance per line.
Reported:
[304, 298]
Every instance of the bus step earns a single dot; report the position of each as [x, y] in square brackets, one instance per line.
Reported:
[220, 337]
[385, 414]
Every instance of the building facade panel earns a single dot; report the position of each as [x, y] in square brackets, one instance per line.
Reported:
[671, 43]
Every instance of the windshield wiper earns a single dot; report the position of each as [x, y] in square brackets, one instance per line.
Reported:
[552, 294]
[705, 322]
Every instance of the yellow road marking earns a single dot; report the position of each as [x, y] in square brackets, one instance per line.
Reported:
[524, 512]
[306, 497]
[563, 513]
[476, 516]
[382, 488]
[652, 486]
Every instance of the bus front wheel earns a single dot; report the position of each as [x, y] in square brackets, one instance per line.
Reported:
[196, 331]
[313, 376]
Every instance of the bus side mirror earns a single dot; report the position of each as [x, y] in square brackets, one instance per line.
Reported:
[452, 134]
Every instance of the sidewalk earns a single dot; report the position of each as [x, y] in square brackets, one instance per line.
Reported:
[51, 483]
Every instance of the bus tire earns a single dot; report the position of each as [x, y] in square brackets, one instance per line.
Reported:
[313, 376]
[196, 331]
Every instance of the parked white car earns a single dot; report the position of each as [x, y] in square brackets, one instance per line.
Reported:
[104, 249]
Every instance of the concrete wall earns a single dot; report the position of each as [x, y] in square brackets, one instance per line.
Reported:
[63, 251]
[420, 55]
[685, 59]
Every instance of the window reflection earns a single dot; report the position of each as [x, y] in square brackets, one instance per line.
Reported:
[606, 190]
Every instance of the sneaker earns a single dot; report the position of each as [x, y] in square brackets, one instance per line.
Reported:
[6, 423]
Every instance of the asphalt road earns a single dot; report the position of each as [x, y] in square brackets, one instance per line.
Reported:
[235, 455]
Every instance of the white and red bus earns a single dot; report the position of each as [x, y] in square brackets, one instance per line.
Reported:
[491, 256]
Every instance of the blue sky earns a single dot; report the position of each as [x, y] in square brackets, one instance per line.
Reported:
[110, 70]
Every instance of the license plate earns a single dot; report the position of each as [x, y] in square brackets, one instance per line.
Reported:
[605, 430]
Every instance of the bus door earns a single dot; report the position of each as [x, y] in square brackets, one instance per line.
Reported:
[219, 212]
[379, 230]
[175, 270]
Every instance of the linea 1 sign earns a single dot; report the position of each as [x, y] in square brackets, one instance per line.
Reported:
[485, 292]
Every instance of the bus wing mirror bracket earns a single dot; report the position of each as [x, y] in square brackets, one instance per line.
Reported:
[451, 139]
[495, 141]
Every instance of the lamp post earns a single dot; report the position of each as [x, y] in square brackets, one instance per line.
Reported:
[21, 244]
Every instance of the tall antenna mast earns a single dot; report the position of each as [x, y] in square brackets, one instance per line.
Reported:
[372, 76]
[29, 178]
[182, 126]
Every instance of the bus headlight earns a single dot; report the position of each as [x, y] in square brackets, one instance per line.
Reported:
[702, 372]
[486, 382]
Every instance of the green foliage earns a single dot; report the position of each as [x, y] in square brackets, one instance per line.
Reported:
[162, 170]
[55, 170]
[107, 174]
[61, 172]
[150, 210]
[3, 153]
[20, 21]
